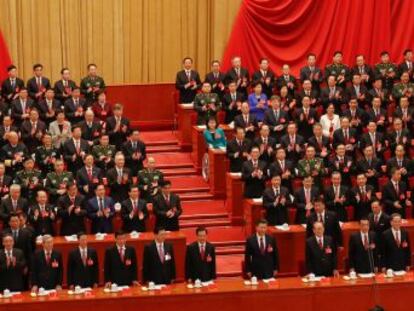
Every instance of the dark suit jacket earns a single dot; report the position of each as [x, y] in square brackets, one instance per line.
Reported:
[161, 207]
[292, 155]
[7, 89]
[231, 112]
[382, 225]
[42, 225]
[331, 224]
[321, 262]
[155, 270]
[100, 224]
[71, 223]
[258, 77]
[276, 212]
[197, 267]
[253, 186]
[338, 137]
[70, 109]
[361, 258]
[60, 90]
[47, 275]
[232, 148]
[215, 82]
[24, 242]
[17, 112]
[326, 100]
[231, 75]
[31, 140]
[316, 78]
[270, 120]
[119, 191]
[325, 143]
[300, 200]
[6, 208]
[128, 152]
[187, 95]
[80, 274]
[338, 208]
[261, 265]
[134, 223]
[362, 207]
[91, 133]
[11, 276]
[33, 88]
[43, 108]
[69, 150]
[118, 271]
[82, 179]
[393, 256]
[389, 196]
[240, 122]
[117, 138]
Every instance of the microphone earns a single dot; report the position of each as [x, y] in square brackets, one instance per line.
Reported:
[374, 284]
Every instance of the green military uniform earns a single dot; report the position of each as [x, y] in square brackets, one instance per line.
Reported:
[205, 100]
[44, 158]
[336, 70]
[30, 182]
[152, 179]
[384, 70]
[314, 168]
[107, 151]
[55, 182]
[96, 83]
[402, 89]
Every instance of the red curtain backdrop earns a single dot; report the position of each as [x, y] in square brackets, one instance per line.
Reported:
[286, 31]
[4, 58]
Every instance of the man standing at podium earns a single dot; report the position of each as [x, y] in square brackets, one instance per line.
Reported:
[159, 262]
[12, 266]
[167, 208]
[261, 255]
[320, 253]
[187, 81]
[120, 263]
[82, 269]
[200, 259]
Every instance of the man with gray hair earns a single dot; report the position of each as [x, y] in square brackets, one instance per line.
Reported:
[14, 203]
[119, 179]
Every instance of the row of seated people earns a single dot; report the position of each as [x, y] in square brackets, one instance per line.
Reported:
[370, 250]
[361, 81]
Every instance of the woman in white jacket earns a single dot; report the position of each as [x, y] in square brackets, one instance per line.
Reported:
[330, 121]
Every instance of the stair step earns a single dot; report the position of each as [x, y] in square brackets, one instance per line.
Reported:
[229, 265]
[191, 196]
[202, 216]
[192, 223]
[158, 138]
[162, 148]
[230, 250]
[172, 160]
[180, 171]
[220, 235]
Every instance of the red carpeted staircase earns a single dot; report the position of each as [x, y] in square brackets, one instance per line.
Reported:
[199, 205]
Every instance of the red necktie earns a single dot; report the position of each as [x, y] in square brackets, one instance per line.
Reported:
[262, 246]
[320, 243]
[202, 252]
[121, 254]
[47, 258]
[366, 243]
[161, 253]
[397, 239]
[89, 174]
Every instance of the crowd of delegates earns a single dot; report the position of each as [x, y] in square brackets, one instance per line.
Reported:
[70, 162]
[336, 139]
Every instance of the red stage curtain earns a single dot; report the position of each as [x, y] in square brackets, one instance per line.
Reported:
[286, 31]
[5, 60]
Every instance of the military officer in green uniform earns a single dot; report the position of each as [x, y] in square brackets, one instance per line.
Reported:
[92, 85]
[58, 180]
[104, 153]
[46, 155]
[206, 104]
[30, 180]
[149, 180]
[404, 88]
[387, 71]
[310, 165]
[339, 70]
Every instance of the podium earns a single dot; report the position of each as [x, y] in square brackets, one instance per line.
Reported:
[252, 211]
[218, 165]
[185, 120]
[234, 197]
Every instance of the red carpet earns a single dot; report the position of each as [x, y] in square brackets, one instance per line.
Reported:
[199, 205]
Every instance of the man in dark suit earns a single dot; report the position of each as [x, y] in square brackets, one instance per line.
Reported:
[12, 266]
[357, 91]
[134, 211]
[373, 138]
[304, 199]
[307, 91]
[42, 215]
[333, 94]
[32, 131]
[286, 79]
[134, 151]
[396, 246]
[361, 197]
[74, 150]
[364, 70]
[346, 136]
[14, 203]
[363, 250]
[22, 237]
[159, 263]
[64, 87]
[306, 118]
[399, 135]
[216, 79]
[6, 127]
[119, 179]
[240, 75]
[400, 162]
[394, 195]
[370, 166]
[231, 102]
[48, 107]
[121, 265]
[91, 128]
[12, 85]
[261, 257]
[282, 167]
[238, 150]
[321, 253]
[328, 219]
[37, 85]
[187, 81]
[72, 211]
[276, 200]
[47, 267]
[407, 64]
[200, 259]
[88, 177]
[378, 222]
[312, 72]
[167, 208]
[82, 266]
[265, 76]
[336, 197]
[266, 144]
[293, 143]
[101, 210]
[20, 107]
[377, 114]
[75, 107]
[254, 175]
[247, 121]
[276, 118]
[117, 127]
